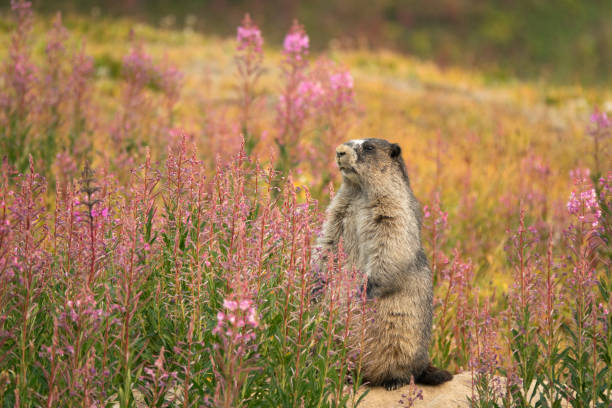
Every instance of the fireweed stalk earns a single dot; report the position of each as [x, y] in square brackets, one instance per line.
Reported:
[603, 328]
[292, 107]
[53, 91]
[72, 352]
[328, 98]
[79, 116]
[249, 60]
[27, 277]
[453, 278]
[133, 266]
[550, 375]
[485, 359]
[412, 395]
[523, 308]
[158, 381]
[436, 230]
[233, 354]
[583, 239]
[19, 76]
[130, 125]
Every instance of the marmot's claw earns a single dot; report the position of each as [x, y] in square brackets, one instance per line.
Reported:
[371, 289]
[393, 384]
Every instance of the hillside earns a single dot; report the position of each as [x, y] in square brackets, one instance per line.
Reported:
[491, 140]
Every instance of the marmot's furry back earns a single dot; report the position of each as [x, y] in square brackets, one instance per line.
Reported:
[378, 219]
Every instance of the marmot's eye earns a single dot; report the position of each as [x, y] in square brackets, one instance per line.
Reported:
[368, 147]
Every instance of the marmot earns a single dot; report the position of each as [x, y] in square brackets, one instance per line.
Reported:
[378, 219]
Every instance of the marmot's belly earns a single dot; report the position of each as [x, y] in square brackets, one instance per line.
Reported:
[395, 345]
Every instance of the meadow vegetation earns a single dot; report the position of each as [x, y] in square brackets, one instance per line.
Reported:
[161, 192]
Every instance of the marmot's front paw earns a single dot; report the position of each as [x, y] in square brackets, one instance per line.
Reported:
[318, 289]
[375, 290]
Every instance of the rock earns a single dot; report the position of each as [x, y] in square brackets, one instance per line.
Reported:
[452, 394]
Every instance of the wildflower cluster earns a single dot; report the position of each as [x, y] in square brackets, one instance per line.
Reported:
[296, 44]
[584, 204]
[249, 37]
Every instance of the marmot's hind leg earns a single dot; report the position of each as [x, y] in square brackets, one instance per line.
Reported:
[433, 376]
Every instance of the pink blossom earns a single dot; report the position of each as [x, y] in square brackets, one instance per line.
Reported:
[583, 204]
[249, 36]
[296, 42]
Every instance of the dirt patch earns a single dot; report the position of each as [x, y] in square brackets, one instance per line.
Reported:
[452, 394]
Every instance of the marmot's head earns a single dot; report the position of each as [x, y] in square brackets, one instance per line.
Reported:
[367, 161]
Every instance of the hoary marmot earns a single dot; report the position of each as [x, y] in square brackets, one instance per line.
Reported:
[378, 219]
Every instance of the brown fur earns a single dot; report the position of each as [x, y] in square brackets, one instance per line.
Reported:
[378, 219]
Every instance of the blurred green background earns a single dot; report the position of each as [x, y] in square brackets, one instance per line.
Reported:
[562, 41]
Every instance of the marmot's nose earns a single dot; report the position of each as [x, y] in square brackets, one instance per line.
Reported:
[341, 150]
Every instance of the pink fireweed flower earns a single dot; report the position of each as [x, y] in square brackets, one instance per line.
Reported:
[248, 60]
[248, 36]
[585, 206]
[296, 42]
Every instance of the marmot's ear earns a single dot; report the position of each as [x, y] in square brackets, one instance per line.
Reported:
[395, 150]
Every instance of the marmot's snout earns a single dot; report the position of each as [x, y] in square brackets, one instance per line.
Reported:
[345, 157]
